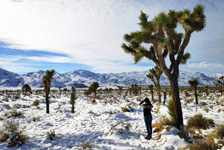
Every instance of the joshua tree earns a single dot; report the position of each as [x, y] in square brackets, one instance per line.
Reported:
[164, 39]
[73, 97]
[220, 83]
[194, 83]
[26, 88]
[120, 89]
[93, 88]
[151, 91]
[47, 86]
[156, 72]
[206, 89]
[59, 90]
[161, 34]
[135, 89]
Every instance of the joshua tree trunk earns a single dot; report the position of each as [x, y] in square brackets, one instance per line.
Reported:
[158, 93]
[47, 103]
[176, 99]
[196, 95]
[73, 111]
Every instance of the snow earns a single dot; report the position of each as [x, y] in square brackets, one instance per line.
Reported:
[102, 125]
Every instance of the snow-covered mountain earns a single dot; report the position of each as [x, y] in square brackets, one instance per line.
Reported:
[34, 79]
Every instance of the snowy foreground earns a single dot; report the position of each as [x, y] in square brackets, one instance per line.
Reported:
[101, 125]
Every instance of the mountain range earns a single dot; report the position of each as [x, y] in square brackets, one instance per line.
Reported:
[84, 78]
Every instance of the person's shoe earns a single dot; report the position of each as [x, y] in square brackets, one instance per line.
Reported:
[147, 138]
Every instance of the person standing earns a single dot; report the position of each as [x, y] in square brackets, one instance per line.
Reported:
[147, 107]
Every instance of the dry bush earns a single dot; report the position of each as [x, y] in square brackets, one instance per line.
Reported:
[36, 103]
[86, 145]
[124, 109]
[158, 109]
[14, 113]
[13, 130]
[159, 126]
[199, 122]
[93, 101]
[220, 131]
[207, 144]
[51, 135]
[114, 126]
[3, 136]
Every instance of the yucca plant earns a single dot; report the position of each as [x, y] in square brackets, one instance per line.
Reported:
[206, 89]
[194, 83]
[164, 40]
[47, 86]
[93, 88]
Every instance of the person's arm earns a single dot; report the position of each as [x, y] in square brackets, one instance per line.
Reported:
[141, 102]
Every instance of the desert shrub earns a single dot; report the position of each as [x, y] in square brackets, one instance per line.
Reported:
[51, 135]
[207, 144]
[124, 109]
[114, 126]
[36, 103]
[14, 113]
[3, 136]
[220, 131]
[203, 103]
[199, 122]
[93, 101]
[171, 112]
[86, 145]
[159, 126]
[15, 133]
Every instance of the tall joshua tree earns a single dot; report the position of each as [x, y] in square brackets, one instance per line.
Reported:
[47, 86]
[164, 40]
[156, 72]
[194, 83]
[220, 83]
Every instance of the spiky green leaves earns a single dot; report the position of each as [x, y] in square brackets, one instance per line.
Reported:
[193, 83]
[194, 21]
[47, 80]
[186, 56]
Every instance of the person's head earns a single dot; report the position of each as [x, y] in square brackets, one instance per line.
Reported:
[146, 100]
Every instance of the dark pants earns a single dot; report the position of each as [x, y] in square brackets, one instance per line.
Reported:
[148, 123]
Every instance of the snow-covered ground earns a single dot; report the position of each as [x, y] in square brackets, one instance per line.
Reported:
[101, 125]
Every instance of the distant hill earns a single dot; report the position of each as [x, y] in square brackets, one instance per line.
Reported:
[84, 78]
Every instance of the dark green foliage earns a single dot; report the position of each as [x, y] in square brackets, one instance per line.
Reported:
[171, 112]
[93, 88]
[206, 89]
[26, 88]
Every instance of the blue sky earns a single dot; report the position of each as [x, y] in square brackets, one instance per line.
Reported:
[76, 34]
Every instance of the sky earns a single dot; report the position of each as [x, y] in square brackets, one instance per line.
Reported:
[68, 35]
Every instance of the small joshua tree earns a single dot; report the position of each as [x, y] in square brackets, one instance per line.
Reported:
[194, 83]
[151, 91]
[206, 89]
[26, 88]
[73, 97]
[93, 88]
[220, 83]
[135, 89]
[156, 72]
[120, 89]
[47, 86]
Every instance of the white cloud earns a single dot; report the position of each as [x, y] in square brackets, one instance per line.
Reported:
[88, 32]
